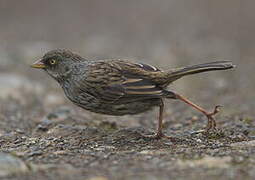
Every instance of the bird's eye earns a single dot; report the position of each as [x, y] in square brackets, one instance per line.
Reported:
[52, 61]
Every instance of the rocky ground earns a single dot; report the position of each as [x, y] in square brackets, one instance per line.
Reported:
[43, 136]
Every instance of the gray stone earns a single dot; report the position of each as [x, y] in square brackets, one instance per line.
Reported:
[10, 165]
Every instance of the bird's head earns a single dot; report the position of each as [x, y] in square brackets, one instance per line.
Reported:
[58, 63]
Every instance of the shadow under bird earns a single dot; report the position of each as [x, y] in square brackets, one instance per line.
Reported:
[120, 87]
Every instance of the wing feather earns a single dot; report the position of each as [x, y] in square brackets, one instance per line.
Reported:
[122, 81]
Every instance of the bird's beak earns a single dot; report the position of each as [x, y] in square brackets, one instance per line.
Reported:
[38, 64]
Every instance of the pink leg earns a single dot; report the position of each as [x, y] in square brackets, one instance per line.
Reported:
[211, 123]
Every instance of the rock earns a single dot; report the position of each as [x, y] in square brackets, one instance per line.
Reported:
[10, 165]
[198, 140]
[59, 114]
[35, 153]
[98, 178]
[50, 120]
[104, 148]
[8, 136]
[244, 144]
[154, 152]
[60, 152]
[208, 162]
[44, 125]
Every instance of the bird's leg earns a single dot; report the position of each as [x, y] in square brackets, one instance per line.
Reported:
[159, 134]
[211, 123]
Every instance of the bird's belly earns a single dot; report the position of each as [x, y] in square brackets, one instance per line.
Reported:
[119, 109]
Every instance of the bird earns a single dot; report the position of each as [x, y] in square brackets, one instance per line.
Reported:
[120, 87]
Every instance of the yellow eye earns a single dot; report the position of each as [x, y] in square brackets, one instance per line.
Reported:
[53, 61]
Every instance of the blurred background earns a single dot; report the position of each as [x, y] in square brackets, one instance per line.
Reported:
[165, 33]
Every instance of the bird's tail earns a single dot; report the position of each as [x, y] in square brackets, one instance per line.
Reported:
[188, 70]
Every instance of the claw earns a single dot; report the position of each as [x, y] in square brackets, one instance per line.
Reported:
[217, 109]
[211, 121]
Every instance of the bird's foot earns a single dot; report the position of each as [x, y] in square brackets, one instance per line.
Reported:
[211, 123]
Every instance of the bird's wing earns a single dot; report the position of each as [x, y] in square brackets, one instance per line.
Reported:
[124, 81]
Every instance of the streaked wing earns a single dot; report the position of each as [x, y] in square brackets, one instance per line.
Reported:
[121, 81]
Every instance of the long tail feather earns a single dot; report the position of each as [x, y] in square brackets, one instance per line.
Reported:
[188, 70]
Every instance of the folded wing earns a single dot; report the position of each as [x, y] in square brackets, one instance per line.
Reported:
[122, 81]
